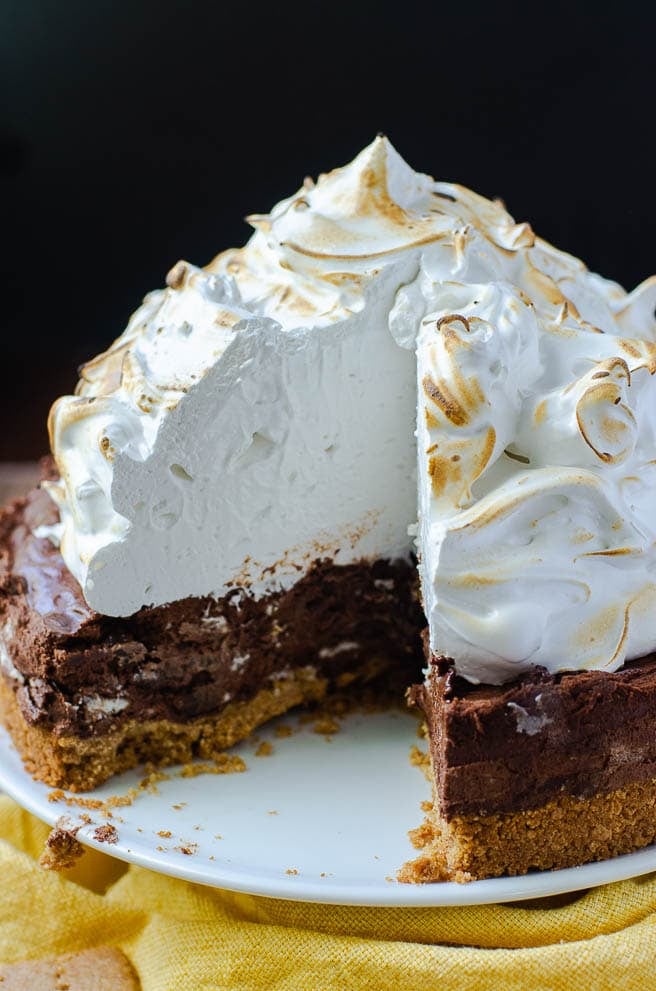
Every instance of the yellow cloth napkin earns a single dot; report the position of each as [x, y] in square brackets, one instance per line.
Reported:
[185, 936]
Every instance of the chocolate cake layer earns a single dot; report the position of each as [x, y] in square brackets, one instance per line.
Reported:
[81, 674]
[518, 746]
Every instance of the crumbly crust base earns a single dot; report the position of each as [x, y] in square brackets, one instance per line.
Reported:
[565, 832]
[82, 764]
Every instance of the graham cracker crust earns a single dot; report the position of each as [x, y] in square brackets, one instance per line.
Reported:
[565, 832]
[81, 764]
[103, 968]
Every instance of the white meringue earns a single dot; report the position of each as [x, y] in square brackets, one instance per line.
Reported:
[258, 414]
[537, 458]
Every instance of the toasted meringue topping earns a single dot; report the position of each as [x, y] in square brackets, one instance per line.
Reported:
[537, 460]
[257, 414]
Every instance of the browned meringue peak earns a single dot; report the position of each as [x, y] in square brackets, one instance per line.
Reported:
[213, 445]
[281, 351]
[314, 254]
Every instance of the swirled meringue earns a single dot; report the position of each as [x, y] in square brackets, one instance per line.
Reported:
[259, 412]
[537, 458]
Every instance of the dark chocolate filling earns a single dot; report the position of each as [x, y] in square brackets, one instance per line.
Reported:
[494, 749]
[517, 746]
[192, 657]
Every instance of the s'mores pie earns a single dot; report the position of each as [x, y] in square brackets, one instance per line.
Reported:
[391, 371]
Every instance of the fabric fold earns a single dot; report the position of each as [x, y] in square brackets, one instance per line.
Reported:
[185, 936]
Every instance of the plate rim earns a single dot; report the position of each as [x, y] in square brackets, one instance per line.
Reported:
[27, 793]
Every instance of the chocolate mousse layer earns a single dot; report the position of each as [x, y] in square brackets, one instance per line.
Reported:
[76, 673]
[518, 746]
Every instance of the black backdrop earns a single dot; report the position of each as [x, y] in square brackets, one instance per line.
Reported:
[135, 133]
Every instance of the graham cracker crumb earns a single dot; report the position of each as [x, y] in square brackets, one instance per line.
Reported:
[188, 849]
[424, 870]
[291, 870]
[222, 764]
[418, 758]
[96, 804]
[422, 835]
[83, 803]
[179, 805]
[164, 833]
[272, 812]
[106, 834]
[264, 749]
[326, 726]
[152, 779]
[122, 801]
[62, 849]
[195, 770]
[283, 731]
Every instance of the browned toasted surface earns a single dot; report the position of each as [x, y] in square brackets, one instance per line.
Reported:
[102, 969]
[564, 832]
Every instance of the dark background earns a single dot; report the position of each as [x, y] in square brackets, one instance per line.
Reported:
[136, 133]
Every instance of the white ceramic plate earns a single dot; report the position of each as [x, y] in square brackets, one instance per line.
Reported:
[321, 819]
